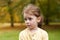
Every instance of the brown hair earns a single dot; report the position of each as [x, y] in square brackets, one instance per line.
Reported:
[35, 11]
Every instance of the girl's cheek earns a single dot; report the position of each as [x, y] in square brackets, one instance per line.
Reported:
[32, 22]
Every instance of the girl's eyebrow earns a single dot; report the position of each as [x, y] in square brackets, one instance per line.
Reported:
[27, 17]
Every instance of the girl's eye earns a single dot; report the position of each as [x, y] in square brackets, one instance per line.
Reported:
[30, 18]
[27, 18]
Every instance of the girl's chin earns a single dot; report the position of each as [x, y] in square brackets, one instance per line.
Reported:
[30, 27]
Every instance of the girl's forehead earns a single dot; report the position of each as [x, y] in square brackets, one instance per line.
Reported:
[29, 15]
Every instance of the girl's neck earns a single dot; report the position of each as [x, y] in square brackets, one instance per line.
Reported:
[33, 29]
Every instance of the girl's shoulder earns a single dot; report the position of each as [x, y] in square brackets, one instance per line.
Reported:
[43, 31]
[22, 32]
[44, 34]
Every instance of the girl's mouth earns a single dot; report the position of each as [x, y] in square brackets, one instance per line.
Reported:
[28, 25]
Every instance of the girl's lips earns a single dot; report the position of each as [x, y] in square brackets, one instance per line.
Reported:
[28, 25]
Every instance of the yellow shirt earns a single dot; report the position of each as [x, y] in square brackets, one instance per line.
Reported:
[40, 34]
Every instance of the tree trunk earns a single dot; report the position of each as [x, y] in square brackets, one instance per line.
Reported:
[47, 14]
[11, 13]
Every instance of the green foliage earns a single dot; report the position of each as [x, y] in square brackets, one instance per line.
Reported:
[50, 8]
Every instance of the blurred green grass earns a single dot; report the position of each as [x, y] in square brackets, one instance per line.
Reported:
[9, 35]
[54, 34]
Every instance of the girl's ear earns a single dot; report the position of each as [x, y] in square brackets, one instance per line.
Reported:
[38, 19]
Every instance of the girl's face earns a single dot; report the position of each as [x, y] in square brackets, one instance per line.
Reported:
[31, 21]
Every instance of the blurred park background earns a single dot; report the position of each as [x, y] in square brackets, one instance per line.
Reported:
[12, 21]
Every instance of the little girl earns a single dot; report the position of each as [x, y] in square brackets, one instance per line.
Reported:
[32, 17]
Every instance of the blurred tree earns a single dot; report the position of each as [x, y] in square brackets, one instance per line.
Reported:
[50, 9]
[47, 13]
[10, 12]
[10, 9]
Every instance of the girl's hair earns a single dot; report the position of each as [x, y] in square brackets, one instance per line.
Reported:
[32, 9]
